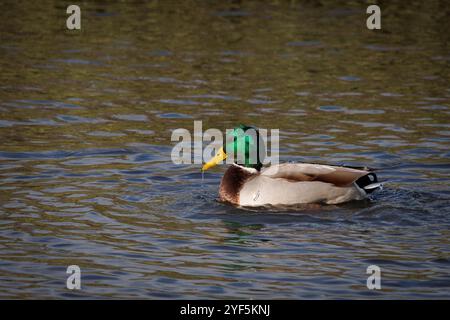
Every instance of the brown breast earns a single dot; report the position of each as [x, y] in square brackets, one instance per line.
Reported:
[232, 183]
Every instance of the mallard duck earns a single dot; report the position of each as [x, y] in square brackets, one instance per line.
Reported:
[248, 183]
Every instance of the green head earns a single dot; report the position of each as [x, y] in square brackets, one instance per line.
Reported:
[244, 145]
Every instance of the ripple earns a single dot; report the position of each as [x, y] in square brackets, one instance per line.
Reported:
[332, 108]
[349, 78]
[131, 117]
[160, 53]
[79, 119]
[184, 102]
[174, 116]
[105, 134]
[310, 43]
[214, 96]
[77, 61]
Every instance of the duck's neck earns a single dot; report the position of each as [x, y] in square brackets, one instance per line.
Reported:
[233, 181]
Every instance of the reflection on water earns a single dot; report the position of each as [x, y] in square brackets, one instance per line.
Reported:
[85, 126]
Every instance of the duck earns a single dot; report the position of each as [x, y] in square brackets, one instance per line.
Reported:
[247, 183]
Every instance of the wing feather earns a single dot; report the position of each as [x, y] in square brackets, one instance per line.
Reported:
[339, 176]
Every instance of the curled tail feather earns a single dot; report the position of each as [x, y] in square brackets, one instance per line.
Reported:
[369, 183]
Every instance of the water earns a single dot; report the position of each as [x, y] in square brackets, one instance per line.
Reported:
[85, 170]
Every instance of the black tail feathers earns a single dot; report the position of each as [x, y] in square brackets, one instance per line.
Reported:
[369, 183]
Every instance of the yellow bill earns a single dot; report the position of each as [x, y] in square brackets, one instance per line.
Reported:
[218, 158]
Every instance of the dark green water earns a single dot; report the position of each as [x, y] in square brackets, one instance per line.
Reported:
[86, 176]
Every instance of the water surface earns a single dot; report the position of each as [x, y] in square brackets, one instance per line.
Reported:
[85, 171]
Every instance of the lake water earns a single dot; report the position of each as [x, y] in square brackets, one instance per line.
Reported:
[85, 171]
